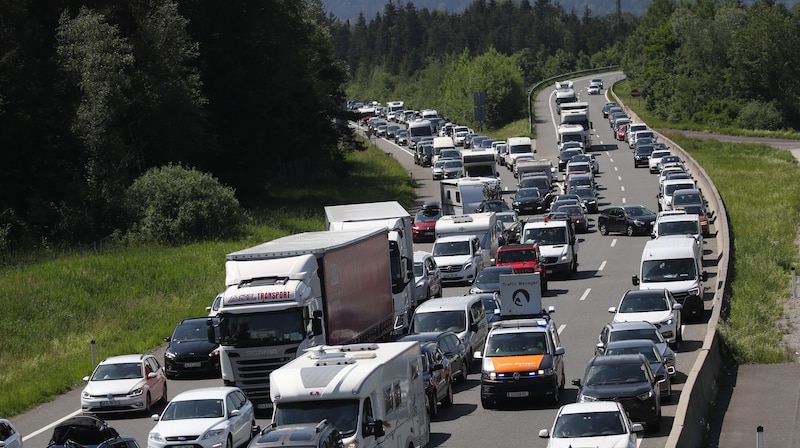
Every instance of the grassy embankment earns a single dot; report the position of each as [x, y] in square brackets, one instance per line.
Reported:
[128, 298]
[760, 187]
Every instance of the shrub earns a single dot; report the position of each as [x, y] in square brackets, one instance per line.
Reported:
[176, 205]
[760, 115]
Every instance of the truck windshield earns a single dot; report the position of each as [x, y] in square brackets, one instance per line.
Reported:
[546, 236]
[342, 413]
[261, 329]
[672, 270]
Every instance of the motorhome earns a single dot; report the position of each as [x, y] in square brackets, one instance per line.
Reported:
[479, 163]
[373, 393]
[464, 195]
[675, 263]
[418, 129]
[483, 225]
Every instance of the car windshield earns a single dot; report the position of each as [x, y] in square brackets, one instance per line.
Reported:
[427, 216]
[191, 331]
[516, 255]
[515, 344]
[672, 270]
[418, 269]
[525, 193]
[604, 374]
[678, 228]
[506, 218]
[589, 424]
[687, 198]
[638, 211]
[189, 409]
[495, 206]
[649, 352]
[584, 192]
[450, 164]
[450, 248]
[120, 371]
[644, 333]
[342, 413]
[643, 304]
[570, 210]
[491, 275]
[546, 235]
[454, 321]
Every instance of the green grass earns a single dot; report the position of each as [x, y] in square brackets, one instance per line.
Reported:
[129, 298]
[517, 128]
[760, 187]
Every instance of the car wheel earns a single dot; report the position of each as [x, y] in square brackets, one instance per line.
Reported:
[464, 370]
[433, 408]
[574, 264]
[668, 397]
[629, 231]
[428, 293]
[148, 404]
[164, 396]
[603, 229]
[229, 442]
[544, 286]
[487, 403]
[447, 401]
[439, 294]
[556, 395]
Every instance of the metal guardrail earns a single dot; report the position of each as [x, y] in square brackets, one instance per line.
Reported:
[557, 77]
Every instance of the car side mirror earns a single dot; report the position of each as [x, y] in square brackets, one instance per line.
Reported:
[437, 366]
[635, 280]
[544, 434]
[612, 310]
[374, 429]
[705, 276]
[577, 382]
[637, 427]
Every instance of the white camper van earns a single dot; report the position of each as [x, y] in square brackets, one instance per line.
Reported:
[675, 263]
[373, 393]
[483, 225]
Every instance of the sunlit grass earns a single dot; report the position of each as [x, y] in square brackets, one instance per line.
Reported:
[129, 298]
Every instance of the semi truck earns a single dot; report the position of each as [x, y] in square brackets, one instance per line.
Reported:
[373, 393]
[396, 219]
[296, 292]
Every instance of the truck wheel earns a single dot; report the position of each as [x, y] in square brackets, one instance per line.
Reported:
[603, 229]
[447, 401]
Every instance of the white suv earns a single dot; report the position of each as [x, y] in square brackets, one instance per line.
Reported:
[656, 306]
[460, 257]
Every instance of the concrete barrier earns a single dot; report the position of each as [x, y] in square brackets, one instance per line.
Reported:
[702, 384]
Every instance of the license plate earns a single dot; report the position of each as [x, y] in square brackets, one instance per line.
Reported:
[109, 403]
[450, 275]
[191, 364]
[549, 271]
[523, 393]
[264, 406]
[182, 446]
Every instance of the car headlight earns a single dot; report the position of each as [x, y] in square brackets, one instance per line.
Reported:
[169, 355]
[583, 398]
[154, 436]
[669, 321]
[475, 290]
[419, 284]
[467, 265]
[491, 376]
[694, 291]
[211, 433]
[86, 394]
[645, 395]
[545, 372]
[136, 392]
[638, 222]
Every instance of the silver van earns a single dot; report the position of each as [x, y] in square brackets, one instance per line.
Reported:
[463, 315]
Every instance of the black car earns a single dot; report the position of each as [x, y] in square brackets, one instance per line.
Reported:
[493, 205]
[588, 198]
[488, 280]
[628, 219]
[436, 377]
[606, 107]
[641, 155]
[423, 155]
[491, 303]
[628, 379]
[88, 431]
[541, 182]
[530, 201]
[454, 349]
[647, 348]
[189, 352]
[309, 435]
[566, 156]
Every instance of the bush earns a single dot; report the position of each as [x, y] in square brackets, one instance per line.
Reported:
[176, 205]
[760, 115]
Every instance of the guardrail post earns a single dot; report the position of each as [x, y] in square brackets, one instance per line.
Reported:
[760, 437]
[94, 354]
[794, 283]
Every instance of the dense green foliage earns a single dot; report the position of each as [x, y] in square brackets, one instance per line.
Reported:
[718, 63]
[129, 298]
[173, 205]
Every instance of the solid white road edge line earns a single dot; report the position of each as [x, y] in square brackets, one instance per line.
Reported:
[50, 426]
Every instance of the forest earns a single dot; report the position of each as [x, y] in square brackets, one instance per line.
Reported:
[93, 94]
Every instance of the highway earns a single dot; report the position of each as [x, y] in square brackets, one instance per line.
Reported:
[606, 264]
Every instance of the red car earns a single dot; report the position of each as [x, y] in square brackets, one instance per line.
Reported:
[423, 229]
[578, 217]
[524, 258]
[621, 132]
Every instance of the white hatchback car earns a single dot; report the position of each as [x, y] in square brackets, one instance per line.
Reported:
[125, 383]
[656, 306]
[210, 417]
[602, 424]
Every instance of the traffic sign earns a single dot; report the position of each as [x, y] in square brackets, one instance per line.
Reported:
[634, 93]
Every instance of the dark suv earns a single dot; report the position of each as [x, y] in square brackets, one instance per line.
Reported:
[310, 435]
[189, 352]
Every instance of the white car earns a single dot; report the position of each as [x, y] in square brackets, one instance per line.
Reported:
[657, 306]
[125, 383]
[601, 424]
[427, 278]
[9, 436]
[210, 417]
[594, 89]
[655, 159]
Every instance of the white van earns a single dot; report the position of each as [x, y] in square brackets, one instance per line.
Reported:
[675, 263]
[517, 146]
[463, 315]
[483, 225]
